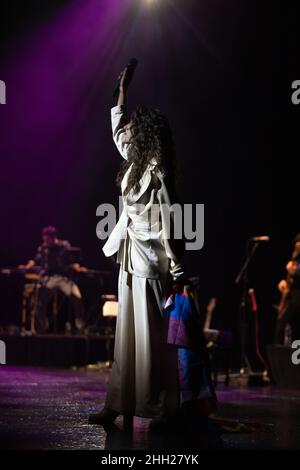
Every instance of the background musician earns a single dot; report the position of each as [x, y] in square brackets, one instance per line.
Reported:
[56, 270]
[289, 308]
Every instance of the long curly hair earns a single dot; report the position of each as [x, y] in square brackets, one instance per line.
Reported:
[151, 137]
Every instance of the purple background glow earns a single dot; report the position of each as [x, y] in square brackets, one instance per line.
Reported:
[210, 66]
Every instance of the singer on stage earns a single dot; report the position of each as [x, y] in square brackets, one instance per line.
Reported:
[144, 377]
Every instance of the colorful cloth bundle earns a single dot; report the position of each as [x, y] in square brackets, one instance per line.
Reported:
[197, 395]
[185, 332]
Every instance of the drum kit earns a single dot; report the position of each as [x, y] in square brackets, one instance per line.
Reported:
[31, 281]
[30, 292]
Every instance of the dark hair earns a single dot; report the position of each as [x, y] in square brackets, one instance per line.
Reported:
[49, 231]
[151, 137]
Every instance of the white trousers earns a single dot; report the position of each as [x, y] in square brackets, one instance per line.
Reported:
[144, 377]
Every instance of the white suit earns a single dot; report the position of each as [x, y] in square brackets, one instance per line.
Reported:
[144, 378]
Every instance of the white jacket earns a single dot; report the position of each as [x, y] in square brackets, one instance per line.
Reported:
[151, 251]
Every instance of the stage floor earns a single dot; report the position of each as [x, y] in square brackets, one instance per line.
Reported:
[44, 408]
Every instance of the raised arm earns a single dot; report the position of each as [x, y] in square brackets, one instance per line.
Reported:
[119, 119]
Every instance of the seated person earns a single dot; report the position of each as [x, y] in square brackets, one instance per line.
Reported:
[53, 259]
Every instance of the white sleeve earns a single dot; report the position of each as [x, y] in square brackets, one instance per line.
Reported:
[118, 121]
[174, 247]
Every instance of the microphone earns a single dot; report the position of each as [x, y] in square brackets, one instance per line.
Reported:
[130, 69]
[263, 238]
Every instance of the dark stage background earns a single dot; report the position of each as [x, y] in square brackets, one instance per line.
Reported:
[221, 71]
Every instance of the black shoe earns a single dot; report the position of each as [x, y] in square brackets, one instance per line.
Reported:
[105, 417]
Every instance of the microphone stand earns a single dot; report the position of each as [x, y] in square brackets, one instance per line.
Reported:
[242, 278]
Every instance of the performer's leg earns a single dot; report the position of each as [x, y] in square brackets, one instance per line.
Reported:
[279, 330]
[121, 388]
[291, 317]
[44, 297]
[156, 365]
[294, 318]
[71, 290]
[78, 307]
[79, 311]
